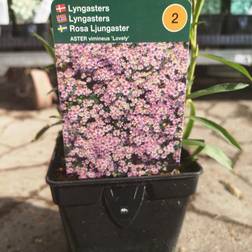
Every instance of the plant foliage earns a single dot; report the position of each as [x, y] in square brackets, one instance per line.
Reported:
[200, 146]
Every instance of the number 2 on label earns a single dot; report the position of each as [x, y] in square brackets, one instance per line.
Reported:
[174, 17]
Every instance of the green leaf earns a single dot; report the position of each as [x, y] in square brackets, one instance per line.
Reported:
[55, 117]
[239, 68]
[93, 97]
[45, 129]
[46, 45]
[192, 156]
[190, 123]
[219, 88]
[51, 33]
[50, 67]
[194, 142]
[218, 129]
[212, 151]
[197, 152]
[198, 9]
[218, 155]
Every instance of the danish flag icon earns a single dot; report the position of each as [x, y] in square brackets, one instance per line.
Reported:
[60, 8]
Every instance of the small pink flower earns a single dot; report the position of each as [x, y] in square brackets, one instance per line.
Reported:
[121, 104]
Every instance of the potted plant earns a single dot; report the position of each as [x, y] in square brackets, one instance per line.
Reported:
[18, 34]
[138, 213]
[5, 27]
[23, 13]
[5, 31]
[240, 18]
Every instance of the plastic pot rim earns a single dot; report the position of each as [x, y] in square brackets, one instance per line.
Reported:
[197, 171]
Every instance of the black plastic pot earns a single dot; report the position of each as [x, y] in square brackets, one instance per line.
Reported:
[5, 31]
[211, 24]
[24, 30]
[210, 30]
[20, 37]
[122, 214]
[238, 24]
[226, 41]
[225, 31]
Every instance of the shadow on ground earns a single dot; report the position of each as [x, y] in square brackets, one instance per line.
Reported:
[27, 227]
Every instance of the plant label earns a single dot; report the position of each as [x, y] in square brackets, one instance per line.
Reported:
[4, 12]
[42, 12]
[121, 69]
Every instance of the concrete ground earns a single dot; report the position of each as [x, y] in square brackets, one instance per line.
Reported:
[219, 216]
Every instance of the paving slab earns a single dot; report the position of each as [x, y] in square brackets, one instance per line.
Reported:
[28, 154]
[16, 146]
[241, 128]
[225, 107]
[243, 166]
[216, 219]
[202, 233]
[23, 130]
[213, 197]
[19, 184]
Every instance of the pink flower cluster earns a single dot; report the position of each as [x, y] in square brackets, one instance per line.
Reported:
[123, 107]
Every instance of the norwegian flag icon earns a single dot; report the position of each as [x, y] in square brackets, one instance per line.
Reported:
[62, 18]
[60, 8]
